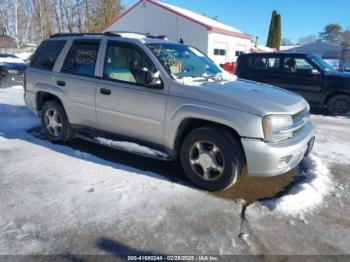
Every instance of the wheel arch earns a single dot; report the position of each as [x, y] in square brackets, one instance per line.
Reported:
[330, 95]
[190, 124]
[43, 96]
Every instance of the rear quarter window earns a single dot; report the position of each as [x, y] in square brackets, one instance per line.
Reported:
[46, 55]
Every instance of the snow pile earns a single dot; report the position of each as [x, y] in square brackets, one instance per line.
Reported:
[131, 147]
[315, 184]
[221, 78]
[225, 76]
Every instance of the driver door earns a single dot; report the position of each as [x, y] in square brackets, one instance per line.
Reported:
[124, 105]
[302, 77]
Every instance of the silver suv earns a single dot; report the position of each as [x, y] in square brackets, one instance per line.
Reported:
[163, 99]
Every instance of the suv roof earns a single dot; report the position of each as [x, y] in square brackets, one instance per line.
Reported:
[145, 38]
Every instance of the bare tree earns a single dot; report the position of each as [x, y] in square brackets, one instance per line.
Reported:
[35, 20]
[307, 39]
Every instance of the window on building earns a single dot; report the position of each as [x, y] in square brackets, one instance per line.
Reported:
[46, 55]
[219, 52]
[238, 53]
[125, 63]
[81, 59]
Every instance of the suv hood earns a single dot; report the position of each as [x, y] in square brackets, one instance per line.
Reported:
[252, 97]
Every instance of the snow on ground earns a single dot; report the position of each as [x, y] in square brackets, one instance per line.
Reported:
[131, 147]
[56, 199]
[13, 113]
[308, 192]
[331, 132]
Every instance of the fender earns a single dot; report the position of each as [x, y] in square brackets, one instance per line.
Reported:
[241, 122]
[53, 90]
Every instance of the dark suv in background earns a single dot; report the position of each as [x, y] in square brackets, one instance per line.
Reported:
[306, 74]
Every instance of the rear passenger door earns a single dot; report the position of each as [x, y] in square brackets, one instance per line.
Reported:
[77, 79]
[265, 69]
[124, 105]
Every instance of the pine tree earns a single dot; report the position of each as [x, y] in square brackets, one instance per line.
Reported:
[278, 32]
[275, 31]
[271, 35]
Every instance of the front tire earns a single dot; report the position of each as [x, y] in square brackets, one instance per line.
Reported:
[55, 122]
[338, 105]
[212, 158]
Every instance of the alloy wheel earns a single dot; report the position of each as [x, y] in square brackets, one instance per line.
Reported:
[207, 160]
[53, 122]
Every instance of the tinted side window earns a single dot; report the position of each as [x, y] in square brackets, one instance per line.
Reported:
[266, 64]
[81, 59]
[297, 65]
[46, 55]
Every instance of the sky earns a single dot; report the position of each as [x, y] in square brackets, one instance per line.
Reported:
[299, 17]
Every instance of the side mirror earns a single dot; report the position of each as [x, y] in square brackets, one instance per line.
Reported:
[152, 79]
[315, 72]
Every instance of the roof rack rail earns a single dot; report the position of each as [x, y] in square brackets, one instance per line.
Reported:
[83, 34]
[146, 35]
[110, 33]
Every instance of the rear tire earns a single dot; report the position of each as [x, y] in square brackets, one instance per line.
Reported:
[212, 158]
[338, 105]
[55, 122]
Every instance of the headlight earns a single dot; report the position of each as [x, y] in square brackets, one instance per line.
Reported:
[276, 127]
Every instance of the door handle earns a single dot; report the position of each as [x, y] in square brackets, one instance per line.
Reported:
[61, 83]
[105, 91]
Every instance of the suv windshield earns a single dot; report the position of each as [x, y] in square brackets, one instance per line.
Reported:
[323, 64]
[183, 61]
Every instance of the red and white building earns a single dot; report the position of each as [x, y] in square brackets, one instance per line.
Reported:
[220, 42]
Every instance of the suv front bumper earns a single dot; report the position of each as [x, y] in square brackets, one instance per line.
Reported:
[271, 159]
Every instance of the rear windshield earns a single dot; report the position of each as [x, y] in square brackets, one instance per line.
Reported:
[46, 55]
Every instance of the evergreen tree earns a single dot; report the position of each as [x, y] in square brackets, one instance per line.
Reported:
[271, 30]
[332, 33]
[278, 32]
[275, 32]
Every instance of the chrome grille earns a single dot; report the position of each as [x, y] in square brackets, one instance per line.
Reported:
[300, 120]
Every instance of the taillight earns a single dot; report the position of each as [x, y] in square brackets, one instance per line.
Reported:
[25, 81]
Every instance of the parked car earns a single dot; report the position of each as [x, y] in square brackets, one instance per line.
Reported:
[306, 74]
[11, 70]
[165, 100]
